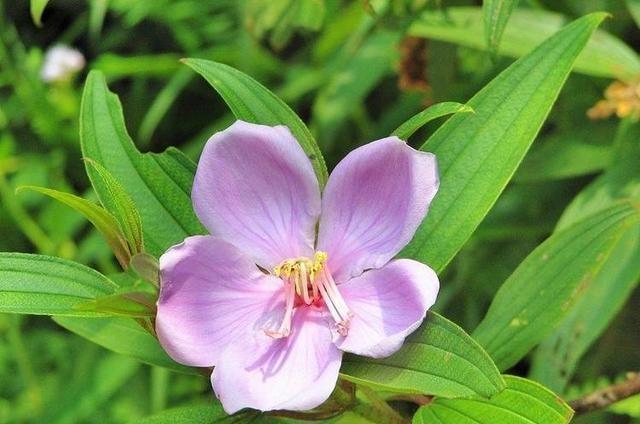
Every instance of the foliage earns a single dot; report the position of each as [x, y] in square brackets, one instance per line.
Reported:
[535, 232]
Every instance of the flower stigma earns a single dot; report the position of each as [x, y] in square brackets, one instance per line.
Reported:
[310, 283]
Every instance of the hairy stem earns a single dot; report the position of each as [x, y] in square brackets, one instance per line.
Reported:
[604, 397]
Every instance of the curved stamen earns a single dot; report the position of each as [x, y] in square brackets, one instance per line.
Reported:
[311, 281]
[285, 327]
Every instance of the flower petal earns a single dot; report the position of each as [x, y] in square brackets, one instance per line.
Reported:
[210, 293]
[255, 188]
[387, 304]
[298, 372]
[373, 203]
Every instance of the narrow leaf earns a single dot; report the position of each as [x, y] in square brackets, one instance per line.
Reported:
[250, 101]
[421, 119]
[478, 153]
[604, 56]
[496, 15]
[44, 285]
[104, 222]
[129, 304]
[522, 402]
[546, 285]
[438, 359]
[37, 9]
[123, 336]
[556, 359]
[124, 210]
[160, 182]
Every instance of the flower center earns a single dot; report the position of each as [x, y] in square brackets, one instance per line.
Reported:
[309, 282]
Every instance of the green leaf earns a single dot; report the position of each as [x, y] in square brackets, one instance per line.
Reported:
[161, 183]
[547, 284]
[620, 181]
[123, 336]
[556, 359]
[250, 101]
[604, 56]
[44, 285]
[147, 267]
[104, 222]
[209, 413]
[634, 10]
[522, 402]
[438, 359]
[496, 15]
[478, 153]
[419, 120]
[128, 304]
[37, 9]
[124, 210]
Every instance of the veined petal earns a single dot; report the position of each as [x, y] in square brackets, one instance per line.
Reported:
[298, 372]
[255, 188]
[210, 294]
[373, 203]
[387, 304]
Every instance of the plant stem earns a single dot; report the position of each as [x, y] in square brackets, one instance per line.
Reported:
[604, 397]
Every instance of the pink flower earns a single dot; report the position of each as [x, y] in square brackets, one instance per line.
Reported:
[264, 301]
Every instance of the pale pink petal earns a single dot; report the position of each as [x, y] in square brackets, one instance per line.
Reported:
[298, 372]
[255, 188]
[373, 203]
[210, 293]
[387, 304]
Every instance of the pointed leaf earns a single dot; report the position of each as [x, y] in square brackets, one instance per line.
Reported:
[250, 101]
[546, 285]
[128, 304]
[522, 402]
[604, 56]
[438, 359]
[37, 9]
[124, 210]
[421, 119]
[479, 153]
[496, 15]
[159, 182]
[104, 222]
[44, 285]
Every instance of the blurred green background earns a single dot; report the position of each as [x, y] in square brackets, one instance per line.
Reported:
[352, 73]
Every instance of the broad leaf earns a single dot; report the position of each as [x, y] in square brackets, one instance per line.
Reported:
[419, 120]
[438, 359]
[123, 336]
[522, 402]
[104, 222]
[159, 184]
[250, 101]
[44, 285]
[604, 56]
[478, 153]
[496, 15]
[634, 10]
[546, 285]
